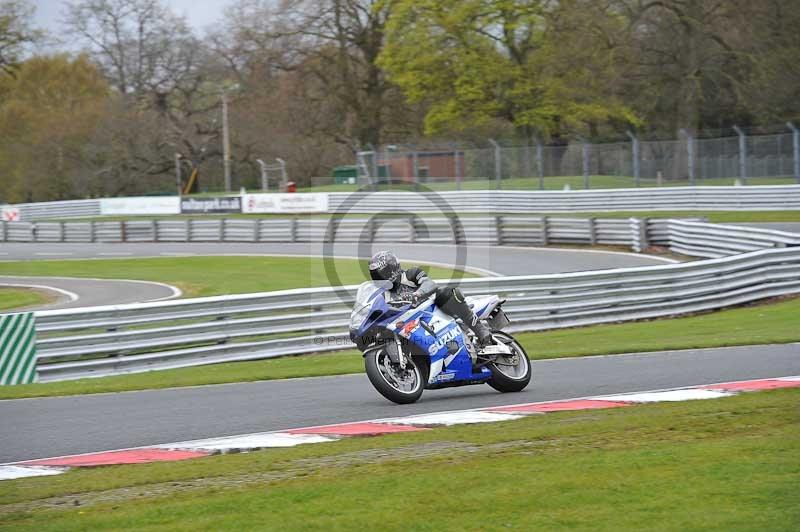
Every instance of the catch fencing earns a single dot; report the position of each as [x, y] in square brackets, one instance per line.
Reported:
[686, 160]
[89, 342]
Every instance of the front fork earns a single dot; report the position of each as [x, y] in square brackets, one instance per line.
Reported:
[401, 355]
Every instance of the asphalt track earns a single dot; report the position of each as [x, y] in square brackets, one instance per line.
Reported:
[504, 260]
[48, 427]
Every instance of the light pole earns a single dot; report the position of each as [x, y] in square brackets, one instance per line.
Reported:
[226, 137]
[178, 157]
[264, 182]
[284, 177]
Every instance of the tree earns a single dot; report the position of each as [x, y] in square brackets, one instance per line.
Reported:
[543, 67]
[331, 43]
[693, 60]
[164, 76]
[16, 32]
[51, 107]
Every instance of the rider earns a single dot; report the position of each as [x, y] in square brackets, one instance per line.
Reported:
[414, 284]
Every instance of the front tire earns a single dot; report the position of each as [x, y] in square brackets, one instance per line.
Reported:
[397, 385]
[508, 377]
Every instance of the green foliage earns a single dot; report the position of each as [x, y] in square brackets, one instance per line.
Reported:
[49, 108]
[481, 60]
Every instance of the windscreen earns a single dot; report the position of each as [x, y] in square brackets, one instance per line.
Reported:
[367, 291]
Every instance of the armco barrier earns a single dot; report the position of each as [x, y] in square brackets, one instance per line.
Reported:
[481, 230]
[132, 338]
[751, 198]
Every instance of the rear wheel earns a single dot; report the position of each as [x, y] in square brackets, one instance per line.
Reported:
[510, 373]
[397, 384]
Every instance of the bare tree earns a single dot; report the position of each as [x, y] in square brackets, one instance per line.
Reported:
[165, 78]
[334, 42]
[16, 31]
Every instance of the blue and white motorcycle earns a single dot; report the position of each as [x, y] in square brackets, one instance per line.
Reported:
[410, 348]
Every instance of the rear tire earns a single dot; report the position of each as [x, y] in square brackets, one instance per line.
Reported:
[387, 377]
[505, 378]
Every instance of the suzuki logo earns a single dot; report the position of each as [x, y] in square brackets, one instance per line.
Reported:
[440, 342]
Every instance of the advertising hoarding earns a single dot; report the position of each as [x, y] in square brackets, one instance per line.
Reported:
[140, 206]
[284, 203]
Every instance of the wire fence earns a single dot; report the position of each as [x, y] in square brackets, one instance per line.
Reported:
[742, 159]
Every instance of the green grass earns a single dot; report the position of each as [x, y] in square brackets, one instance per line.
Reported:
[760, 324]
[209, 276]
[725, 464]
[20, 298]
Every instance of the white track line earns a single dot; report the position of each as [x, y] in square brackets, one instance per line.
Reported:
[72, 296]
[176, 292]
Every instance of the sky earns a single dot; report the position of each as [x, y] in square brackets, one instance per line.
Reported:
[199, 13]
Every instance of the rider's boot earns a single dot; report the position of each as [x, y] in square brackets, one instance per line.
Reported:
[483, 333]
[456, 306]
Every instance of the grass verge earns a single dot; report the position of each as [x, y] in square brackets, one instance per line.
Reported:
[752, 325]
[209, 276]
[725, 464]
[21, 298]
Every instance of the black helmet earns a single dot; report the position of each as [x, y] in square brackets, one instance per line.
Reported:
[384, 266]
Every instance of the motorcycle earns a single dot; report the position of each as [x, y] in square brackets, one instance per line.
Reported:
[408, 348]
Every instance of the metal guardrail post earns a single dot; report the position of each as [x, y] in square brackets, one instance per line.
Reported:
[92, 232]
[643, 236]
[222, 230]
[498, 224]
[592, 230]
[636, 158]
[795, 149]
[412, 230]
[639, 241]
[545, 231]
[123, 236]
[3, 231]
[154, 228]
[293, 230]
[188, 231]
[742, 154]
[371, 230]
[256, 229]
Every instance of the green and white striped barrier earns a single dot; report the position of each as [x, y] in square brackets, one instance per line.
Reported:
[17, 348]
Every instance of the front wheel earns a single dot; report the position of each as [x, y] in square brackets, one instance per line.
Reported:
[402, 386]
[510, 373]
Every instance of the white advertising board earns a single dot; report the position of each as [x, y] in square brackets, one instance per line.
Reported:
[10, 214]
[140, 206]
[284, 203]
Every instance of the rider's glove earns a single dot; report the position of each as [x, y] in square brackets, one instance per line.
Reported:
[416, 298]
